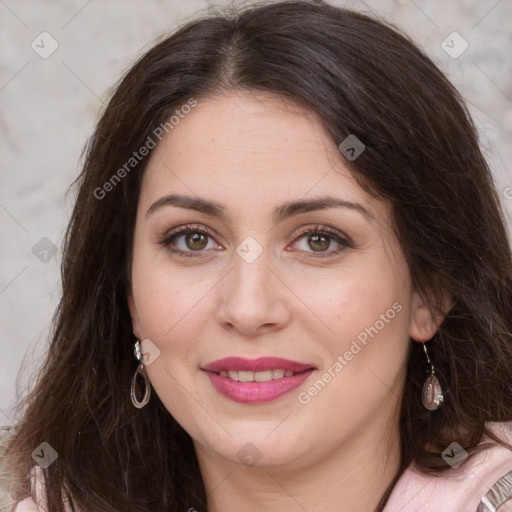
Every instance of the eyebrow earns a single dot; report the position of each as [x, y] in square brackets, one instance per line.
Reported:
[280, 213]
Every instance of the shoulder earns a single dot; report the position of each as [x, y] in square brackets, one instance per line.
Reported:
[7, 484]
[6, 481]
[482, 484]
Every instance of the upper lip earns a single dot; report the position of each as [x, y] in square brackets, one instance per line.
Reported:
[256, 365]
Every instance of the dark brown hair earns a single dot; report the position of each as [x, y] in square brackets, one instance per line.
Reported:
[360, 76]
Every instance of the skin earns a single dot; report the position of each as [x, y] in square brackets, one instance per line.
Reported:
[253, 153]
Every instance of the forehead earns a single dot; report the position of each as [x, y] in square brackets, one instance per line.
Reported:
[249, 150]
[254, 117]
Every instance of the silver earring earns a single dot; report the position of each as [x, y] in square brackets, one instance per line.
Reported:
[141, 370]
[432, 395]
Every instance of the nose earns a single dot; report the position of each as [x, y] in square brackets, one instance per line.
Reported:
[253, 299]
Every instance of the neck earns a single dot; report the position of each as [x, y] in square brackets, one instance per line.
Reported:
[353, 477]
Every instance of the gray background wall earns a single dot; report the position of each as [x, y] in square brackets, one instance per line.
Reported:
[49, 104]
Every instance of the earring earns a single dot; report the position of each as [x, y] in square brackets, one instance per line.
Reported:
[432, 395]
[147, 385]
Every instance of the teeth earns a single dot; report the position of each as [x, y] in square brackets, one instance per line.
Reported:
[246, 376]
[262, 376]
[277, 374]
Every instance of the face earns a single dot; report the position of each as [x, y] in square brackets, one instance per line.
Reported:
[254, 242]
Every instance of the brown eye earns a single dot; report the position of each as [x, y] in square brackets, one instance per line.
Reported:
[319, 242]
[189, 240]
[196, 241]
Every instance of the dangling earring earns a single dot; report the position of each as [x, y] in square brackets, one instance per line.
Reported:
[432, 395]
[140, 371]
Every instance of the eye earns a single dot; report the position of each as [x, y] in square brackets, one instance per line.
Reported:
[320, 240]
[187, 240]
[194, 240]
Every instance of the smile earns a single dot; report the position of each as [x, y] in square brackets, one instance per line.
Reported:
[262, 376]
[255, 381]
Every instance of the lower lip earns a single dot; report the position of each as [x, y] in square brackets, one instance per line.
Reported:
[257, 392]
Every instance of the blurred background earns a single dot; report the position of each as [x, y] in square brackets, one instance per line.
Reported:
[59, 61]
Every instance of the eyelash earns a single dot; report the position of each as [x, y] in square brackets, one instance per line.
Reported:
[316, 230]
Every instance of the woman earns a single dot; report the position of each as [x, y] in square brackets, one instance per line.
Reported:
[278, 212]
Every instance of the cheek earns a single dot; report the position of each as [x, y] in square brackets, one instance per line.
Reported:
[369, 294]
[364, 312]
[365, 346]
[171, 301]
[172, 309]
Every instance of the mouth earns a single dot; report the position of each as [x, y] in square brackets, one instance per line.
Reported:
[259, 365]
[261, 376]
[255, 381]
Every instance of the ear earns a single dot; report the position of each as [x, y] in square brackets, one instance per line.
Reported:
[137, 331]
[425, 318]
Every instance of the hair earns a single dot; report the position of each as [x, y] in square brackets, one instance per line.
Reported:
[361, 76]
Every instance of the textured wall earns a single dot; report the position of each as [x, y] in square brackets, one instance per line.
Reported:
[50, 102]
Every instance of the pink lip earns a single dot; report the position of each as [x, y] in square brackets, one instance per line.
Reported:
[255, 365]
[256, 392]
